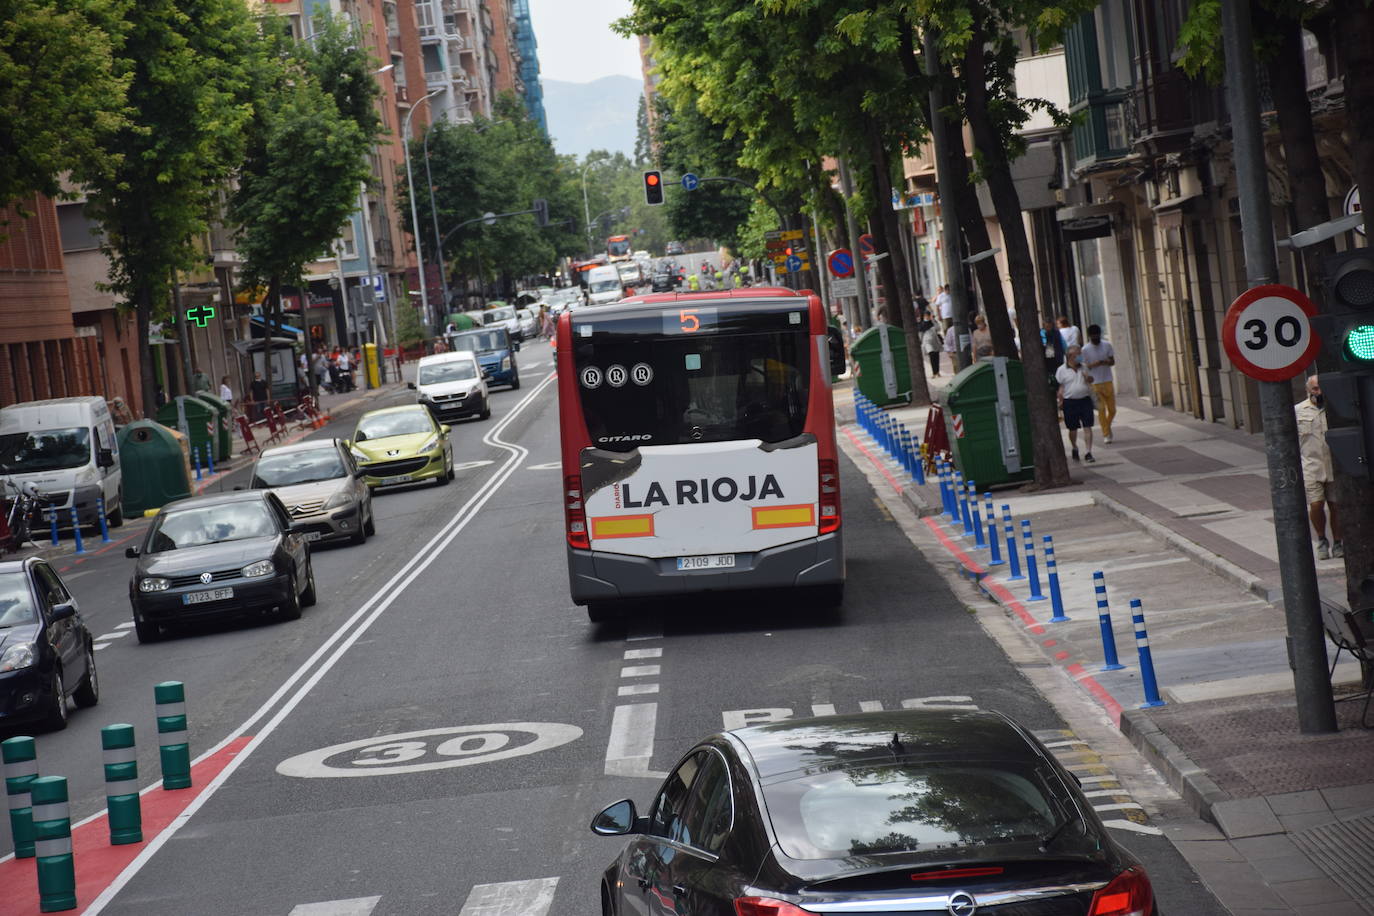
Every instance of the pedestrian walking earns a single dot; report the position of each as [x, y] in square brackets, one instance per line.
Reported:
[952, 348]
[320, 366]
[931, 343]
[1099, 358]
[200, 382]
[1053, 344]
[226, 394]
[258, 390]
[1076, 402]
[982, 337]
[693, 283]
[1068, 333]
[945, 305]
[344, 363]
[545, 324]
[1316, 470]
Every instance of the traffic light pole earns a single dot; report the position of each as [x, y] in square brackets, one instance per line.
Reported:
[1297, 569]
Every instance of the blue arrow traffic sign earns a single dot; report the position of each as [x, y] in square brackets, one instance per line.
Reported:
[793, 264]
[841, 262]
[690, 181]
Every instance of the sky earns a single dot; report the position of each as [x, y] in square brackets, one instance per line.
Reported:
[576, 43]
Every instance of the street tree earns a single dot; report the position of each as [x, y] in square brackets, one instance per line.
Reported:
[62, 93]
[313, 123]
[189, 67]
[688, 141]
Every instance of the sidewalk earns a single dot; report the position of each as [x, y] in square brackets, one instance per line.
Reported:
[1176, 513]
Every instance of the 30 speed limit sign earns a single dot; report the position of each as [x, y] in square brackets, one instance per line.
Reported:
[1268, 333]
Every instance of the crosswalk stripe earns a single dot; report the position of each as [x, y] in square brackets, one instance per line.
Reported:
[358, 906]
[1133, 827]
[511, 898]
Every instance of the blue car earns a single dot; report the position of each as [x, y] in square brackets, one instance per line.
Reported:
[495, 354]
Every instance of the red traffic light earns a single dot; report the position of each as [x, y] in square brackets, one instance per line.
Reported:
[651, 179]
[653, 187]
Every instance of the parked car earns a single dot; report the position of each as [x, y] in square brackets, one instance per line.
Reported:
[321, 486]
[401, 445]
[963, 811]
[674, 248]
[529, 324]
[495, 354]
[451, 386]
[226, 555]
[47, 654]
[500, 315]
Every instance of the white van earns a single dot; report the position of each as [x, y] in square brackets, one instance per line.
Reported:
[604, 285]
[66, 448]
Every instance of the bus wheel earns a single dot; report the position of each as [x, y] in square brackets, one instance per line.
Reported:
[601, 611]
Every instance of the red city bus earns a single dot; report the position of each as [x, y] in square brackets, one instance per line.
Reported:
[698, 438]
[618, 248]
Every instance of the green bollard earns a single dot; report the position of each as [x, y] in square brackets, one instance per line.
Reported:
[52, 831]
[171, 734]
[121, 784]
[20, 756]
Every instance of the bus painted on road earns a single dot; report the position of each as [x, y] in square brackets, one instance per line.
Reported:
[698, 447]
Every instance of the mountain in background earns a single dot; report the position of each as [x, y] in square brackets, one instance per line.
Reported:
[596, 115]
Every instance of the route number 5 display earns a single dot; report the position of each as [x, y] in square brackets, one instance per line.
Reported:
[1268, 333]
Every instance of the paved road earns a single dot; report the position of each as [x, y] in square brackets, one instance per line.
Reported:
[434, 736]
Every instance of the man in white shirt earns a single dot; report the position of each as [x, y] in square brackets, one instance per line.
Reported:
[226, 394]
[1076, 401]
[946, 306]
[1099, 358]
[1316, 470]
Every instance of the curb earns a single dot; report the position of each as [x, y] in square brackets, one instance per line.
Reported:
[917, 501]
[1188, 779]
[1222, 567]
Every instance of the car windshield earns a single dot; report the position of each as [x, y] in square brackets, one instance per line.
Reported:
[453, 370]
[289, 468]
[910, 807]
[480, 341]
[45, 450]
[505, 314]
[400, 423]
[211, 525]
[16, 604]
[605, 286]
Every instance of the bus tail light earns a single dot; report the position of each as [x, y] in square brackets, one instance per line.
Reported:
[829, 493]
[575, 512]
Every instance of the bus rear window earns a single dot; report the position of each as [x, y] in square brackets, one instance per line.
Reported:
[648, 389]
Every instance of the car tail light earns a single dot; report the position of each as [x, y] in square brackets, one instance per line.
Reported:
[952, 874]
[767, 906]
[575, 512]
[828, 480]
[1129, 894]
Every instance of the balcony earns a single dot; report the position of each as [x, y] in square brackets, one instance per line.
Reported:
[1099, 133]
[1161, 112]
[436, 78]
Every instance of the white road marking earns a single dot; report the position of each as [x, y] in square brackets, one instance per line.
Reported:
[870, 706]
[1133, 827]
[469, 465]
[1098, 779]
[739, 718]
[337, 644]
[823, 709]
[630, 690]
[641, 671]
[643, 653]
[97, 647]
[128, 624]
[512, 898]
[1118, 807]
[358, 906]
[1104, 793]
[465, 745]
[546, 466]
[632, 741]
[117, 634]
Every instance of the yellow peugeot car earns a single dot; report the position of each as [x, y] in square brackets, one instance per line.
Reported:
[402, 445]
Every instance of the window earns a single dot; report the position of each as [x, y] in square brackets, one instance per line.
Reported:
[346, 245]
[710, 808]
[16, 602]
[51, 587]
[79, 232]
[670, 808]
[212, 525]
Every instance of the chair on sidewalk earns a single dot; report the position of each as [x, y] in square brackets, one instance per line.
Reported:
[1343, 629]
[246, 431]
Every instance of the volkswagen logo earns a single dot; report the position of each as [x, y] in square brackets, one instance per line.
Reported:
[962, 903]
[206, 578]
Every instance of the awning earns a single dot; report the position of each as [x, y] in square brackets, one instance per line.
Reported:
[244, 347]
[278, 325]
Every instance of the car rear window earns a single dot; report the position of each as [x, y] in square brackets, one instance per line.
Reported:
[902, 808]
[644, 380]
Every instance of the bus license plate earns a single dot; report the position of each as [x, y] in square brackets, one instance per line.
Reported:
[708, 561]
[399, 478]
[214, 594]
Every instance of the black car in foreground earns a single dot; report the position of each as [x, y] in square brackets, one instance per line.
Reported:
[225, 555]
[46, 652]
[912, 811]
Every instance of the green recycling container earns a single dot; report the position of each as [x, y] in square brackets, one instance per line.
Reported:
[195, 419]
[156, 466]
[224, 444]
[883, 378]
[988, 401]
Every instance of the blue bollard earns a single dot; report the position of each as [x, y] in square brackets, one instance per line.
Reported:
[52, 519]
[195, 455]
[76, 532]
[961, 490]
[1013, 558]
[1032, 571]
[1052, 572]
[994, 542]
[210, 459]
[918, 467]
[104, 525]
[947, 480]
[906, 452]
[1104, 620]
[977, 516]
[1147, 664]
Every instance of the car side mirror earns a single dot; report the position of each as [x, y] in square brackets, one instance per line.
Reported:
[445, 429]
[64, 611]
[515, 345]
[619, 819]
[104, 458]
[132, 552]
[410, 385]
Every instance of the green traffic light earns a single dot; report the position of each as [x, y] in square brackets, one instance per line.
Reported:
[1359, 343]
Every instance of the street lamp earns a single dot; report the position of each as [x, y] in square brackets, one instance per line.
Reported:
[586, 208]
[414, 213]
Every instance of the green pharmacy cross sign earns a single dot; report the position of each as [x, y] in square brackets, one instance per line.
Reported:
[201, 314]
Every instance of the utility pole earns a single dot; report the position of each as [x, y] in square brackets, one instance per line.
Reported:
[864, 319]
[949, 213]
[368, 291]
[1297, 570]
